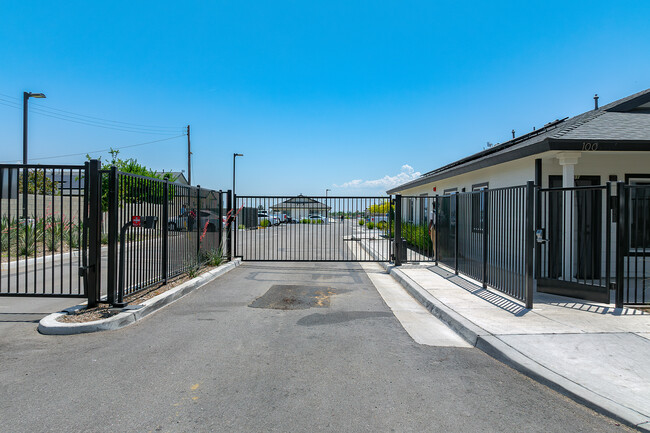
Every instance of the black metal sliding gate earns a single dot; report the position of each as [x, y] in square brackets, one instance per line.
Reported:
[320, 229]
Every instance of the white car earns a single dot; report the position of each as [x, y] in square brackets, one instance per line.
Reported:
[273, 219]
[317, 219]
[182, 221]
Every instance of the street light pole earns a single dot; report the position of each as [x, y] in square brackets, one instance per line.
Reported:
[326, 191]
[234, 156]
[26, 96]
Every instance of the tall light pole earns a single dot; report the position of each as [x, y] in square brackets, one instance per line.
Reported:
[26, 96]
[234, 156]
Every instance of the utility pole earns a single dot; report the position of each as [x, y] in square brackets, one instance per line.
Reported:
[189, 157]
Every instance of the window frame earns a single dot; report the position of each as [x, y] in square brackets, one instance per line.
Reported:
[632, 246]
[478, 217]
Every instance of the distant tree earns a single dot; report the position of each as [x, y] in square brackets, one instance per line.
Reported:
[135, 192]
[38, 182]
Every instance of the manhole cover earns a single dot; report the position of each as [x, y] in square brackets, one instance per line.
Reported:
[291, 297]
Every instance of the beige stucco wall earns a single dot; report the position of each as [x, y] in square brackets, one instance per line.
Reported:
[508, 174]
[520, 171]
[603, 164]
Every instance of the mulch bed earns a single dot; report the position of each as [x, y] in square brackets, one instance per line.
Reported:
[103, 310]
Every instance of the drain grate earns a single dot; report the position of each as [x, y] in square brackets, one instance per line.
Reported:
[293, 297]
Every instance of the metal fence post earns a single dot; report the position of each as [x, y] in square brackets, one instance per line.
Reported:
[228, 225]
[484, 196]
[220, 234]
[608, 235]
[455, 196]
[529, 243]
[621, 237]
[165, 232]
[94, 233]
[234, 226]
[435, 227]
[397, 240]
[538, 225]
[198, 222]
[111, 289]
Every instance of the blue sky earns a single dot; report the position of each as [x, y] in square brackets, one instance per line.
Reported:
[350, 96]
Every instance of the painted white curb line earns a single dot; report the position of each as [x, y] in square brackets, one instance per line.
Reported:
[51, 326]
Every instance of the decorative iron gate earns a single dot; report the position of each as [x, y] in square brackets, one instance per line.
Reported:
[320, 229]
[44, 224]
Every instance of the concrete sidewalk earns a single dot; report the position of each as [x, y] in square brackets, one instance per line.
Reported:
[596, 354]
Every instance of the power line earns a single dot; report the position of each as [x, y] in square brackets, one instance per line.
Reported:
[90, 120]
[100, 150]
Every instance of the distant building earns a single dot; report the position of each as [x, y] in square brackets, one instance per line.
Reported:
[301, 207]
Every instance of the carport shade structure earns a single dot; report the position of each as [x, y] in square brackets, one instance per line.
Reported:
[301, 207]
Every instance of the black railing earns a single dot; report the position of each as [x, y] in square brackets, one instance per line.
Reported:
[485, 235]
[575, 242]
[417, 235]
[633, 245]
[179, 228]
[42, 229]
[509, 240]
[326, 229]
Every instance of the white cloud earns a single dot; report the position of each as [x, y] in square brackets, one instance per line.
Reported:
[405, 175]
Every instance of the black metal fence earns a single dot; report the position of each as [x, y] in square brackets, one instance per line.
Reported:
[326, 229]
[486, 235]
[415, 228]
[574, 248]
[43, 229]
[178, 228]
[55, 218]
[633, 244]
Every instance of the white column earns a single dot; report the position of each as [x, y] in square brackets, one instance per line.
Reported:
[568, 161]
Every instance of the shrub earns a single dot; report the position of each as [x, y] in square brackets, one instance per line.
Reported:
[371, 225]
[74, 236]
[265, 223]
[53, 233]
[381, 225]
[305, 221]
[29, 236]
[417, 235]
[361, 222]
[212, 257]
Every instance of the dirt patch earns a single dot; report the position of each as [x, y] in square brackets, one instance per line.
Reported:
[291, 297]
[103, 310]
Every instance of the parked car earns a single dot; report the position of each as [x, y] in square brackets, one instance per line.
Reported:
[316, 218]
[182, 221]
[274, 219]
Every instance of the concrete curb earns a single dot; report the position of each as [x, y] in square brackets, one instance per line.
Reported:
[498, 349]
[49, 325]
[501, 351]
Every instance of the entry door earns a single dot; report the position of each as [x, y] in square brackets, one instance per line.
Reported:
[588, 228]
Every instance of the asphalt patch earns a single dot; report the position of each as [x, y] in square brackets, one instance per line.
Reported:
[296, 297]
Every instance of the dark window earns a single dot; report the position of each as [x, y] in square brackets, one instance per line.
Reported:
[423, 209]
[639, 226]
[477, 206]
